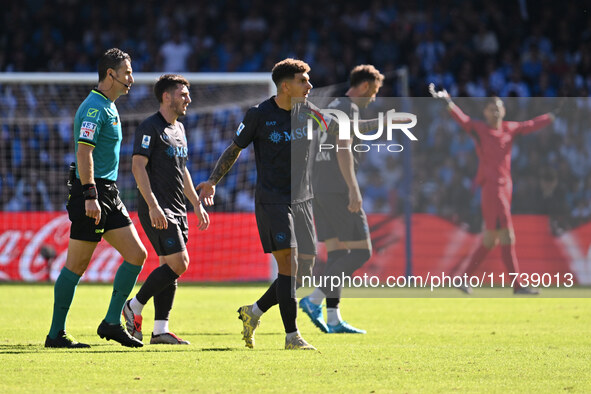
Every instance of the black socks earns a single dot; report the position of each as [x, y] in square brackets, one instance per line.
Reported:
[158, 280]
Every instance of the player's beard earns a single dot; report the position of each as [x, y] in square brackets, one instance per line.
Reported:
[179, 109]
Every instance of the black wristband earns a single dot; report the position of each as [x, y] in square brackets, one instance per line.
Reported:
[89, 191]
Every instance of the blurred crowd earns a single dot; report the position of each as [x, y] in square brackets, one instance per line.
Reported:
[513, 48]
[471, 47]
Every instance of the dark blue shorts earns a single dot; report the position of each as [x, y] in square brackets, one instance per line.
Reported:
[284, 226]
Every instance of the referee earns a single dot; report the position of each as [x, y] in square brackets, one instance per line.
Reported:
[94, 206]
[159, 166]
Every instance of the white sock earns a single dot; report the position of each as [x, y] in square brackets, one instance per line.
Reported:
[256, 310]
[317, 296]
[160, 327]
[136, 306]
[333, 316]
[290, 335]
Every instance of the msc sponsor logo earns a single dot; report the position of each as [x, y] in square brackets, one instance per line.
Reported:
[275, 137]
[179, 151]
[286, 136]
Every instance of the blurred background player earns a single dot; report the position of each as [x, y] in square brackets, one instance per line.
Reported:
[159, 167]
[340, 219]
[94, 206]
[283, 199]
[494, 139]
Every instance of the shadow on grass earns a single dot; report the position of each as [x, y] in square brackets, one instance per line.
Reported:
[96, 348]
[233, 334]
[20, 349]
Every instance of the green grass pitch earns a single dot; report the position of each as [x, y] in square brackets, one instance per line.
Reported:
[413, 345]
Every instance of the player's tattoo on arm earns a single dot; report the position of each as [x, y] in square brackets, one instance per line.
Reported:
[333, 128]
[365, 126]
[224, 163]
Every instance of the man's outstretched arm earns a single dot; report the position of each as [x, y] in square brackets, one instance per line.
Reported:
[535, 124]
[191, 194]
[442, 94]
[455, 111]
[223, 165]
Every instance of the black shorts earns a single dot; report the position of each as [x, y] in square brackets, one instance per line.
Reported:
[283, 226]
[334, 220]
[113, 212]
[166, 241]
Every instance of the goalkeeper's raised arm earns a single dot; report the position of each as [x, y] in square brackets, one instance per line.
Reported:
[441, 94]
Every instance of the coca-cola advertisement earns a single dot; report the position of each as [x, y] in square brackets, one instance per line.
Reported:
[33, 247]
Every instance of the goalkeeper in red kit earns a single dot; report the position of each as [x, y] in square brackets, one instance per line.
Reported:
[494, 138]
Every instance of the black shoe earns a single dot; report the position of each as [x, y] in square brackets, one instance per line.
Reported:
[64, 340]
[526, 290]
[117, 333]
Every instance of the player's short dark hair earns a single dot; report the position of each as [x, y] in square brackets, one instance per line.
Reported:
[111, 59]
[287, 69]
[365, 72]
[168, 83]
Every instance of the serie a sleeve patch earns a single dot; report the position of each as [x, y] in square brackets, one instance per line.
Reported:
[146, 141]
[240, 128]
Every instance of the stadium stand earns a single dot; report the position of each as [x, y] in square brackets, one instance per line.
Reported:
[471, 48]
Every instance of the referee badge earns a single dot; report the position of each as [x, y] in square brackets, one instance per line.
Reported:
[87, 130]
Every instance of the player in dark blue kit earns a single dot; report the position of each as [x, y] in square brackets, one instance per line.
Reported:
[340, 220]
[159, 167]
[283, 198]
